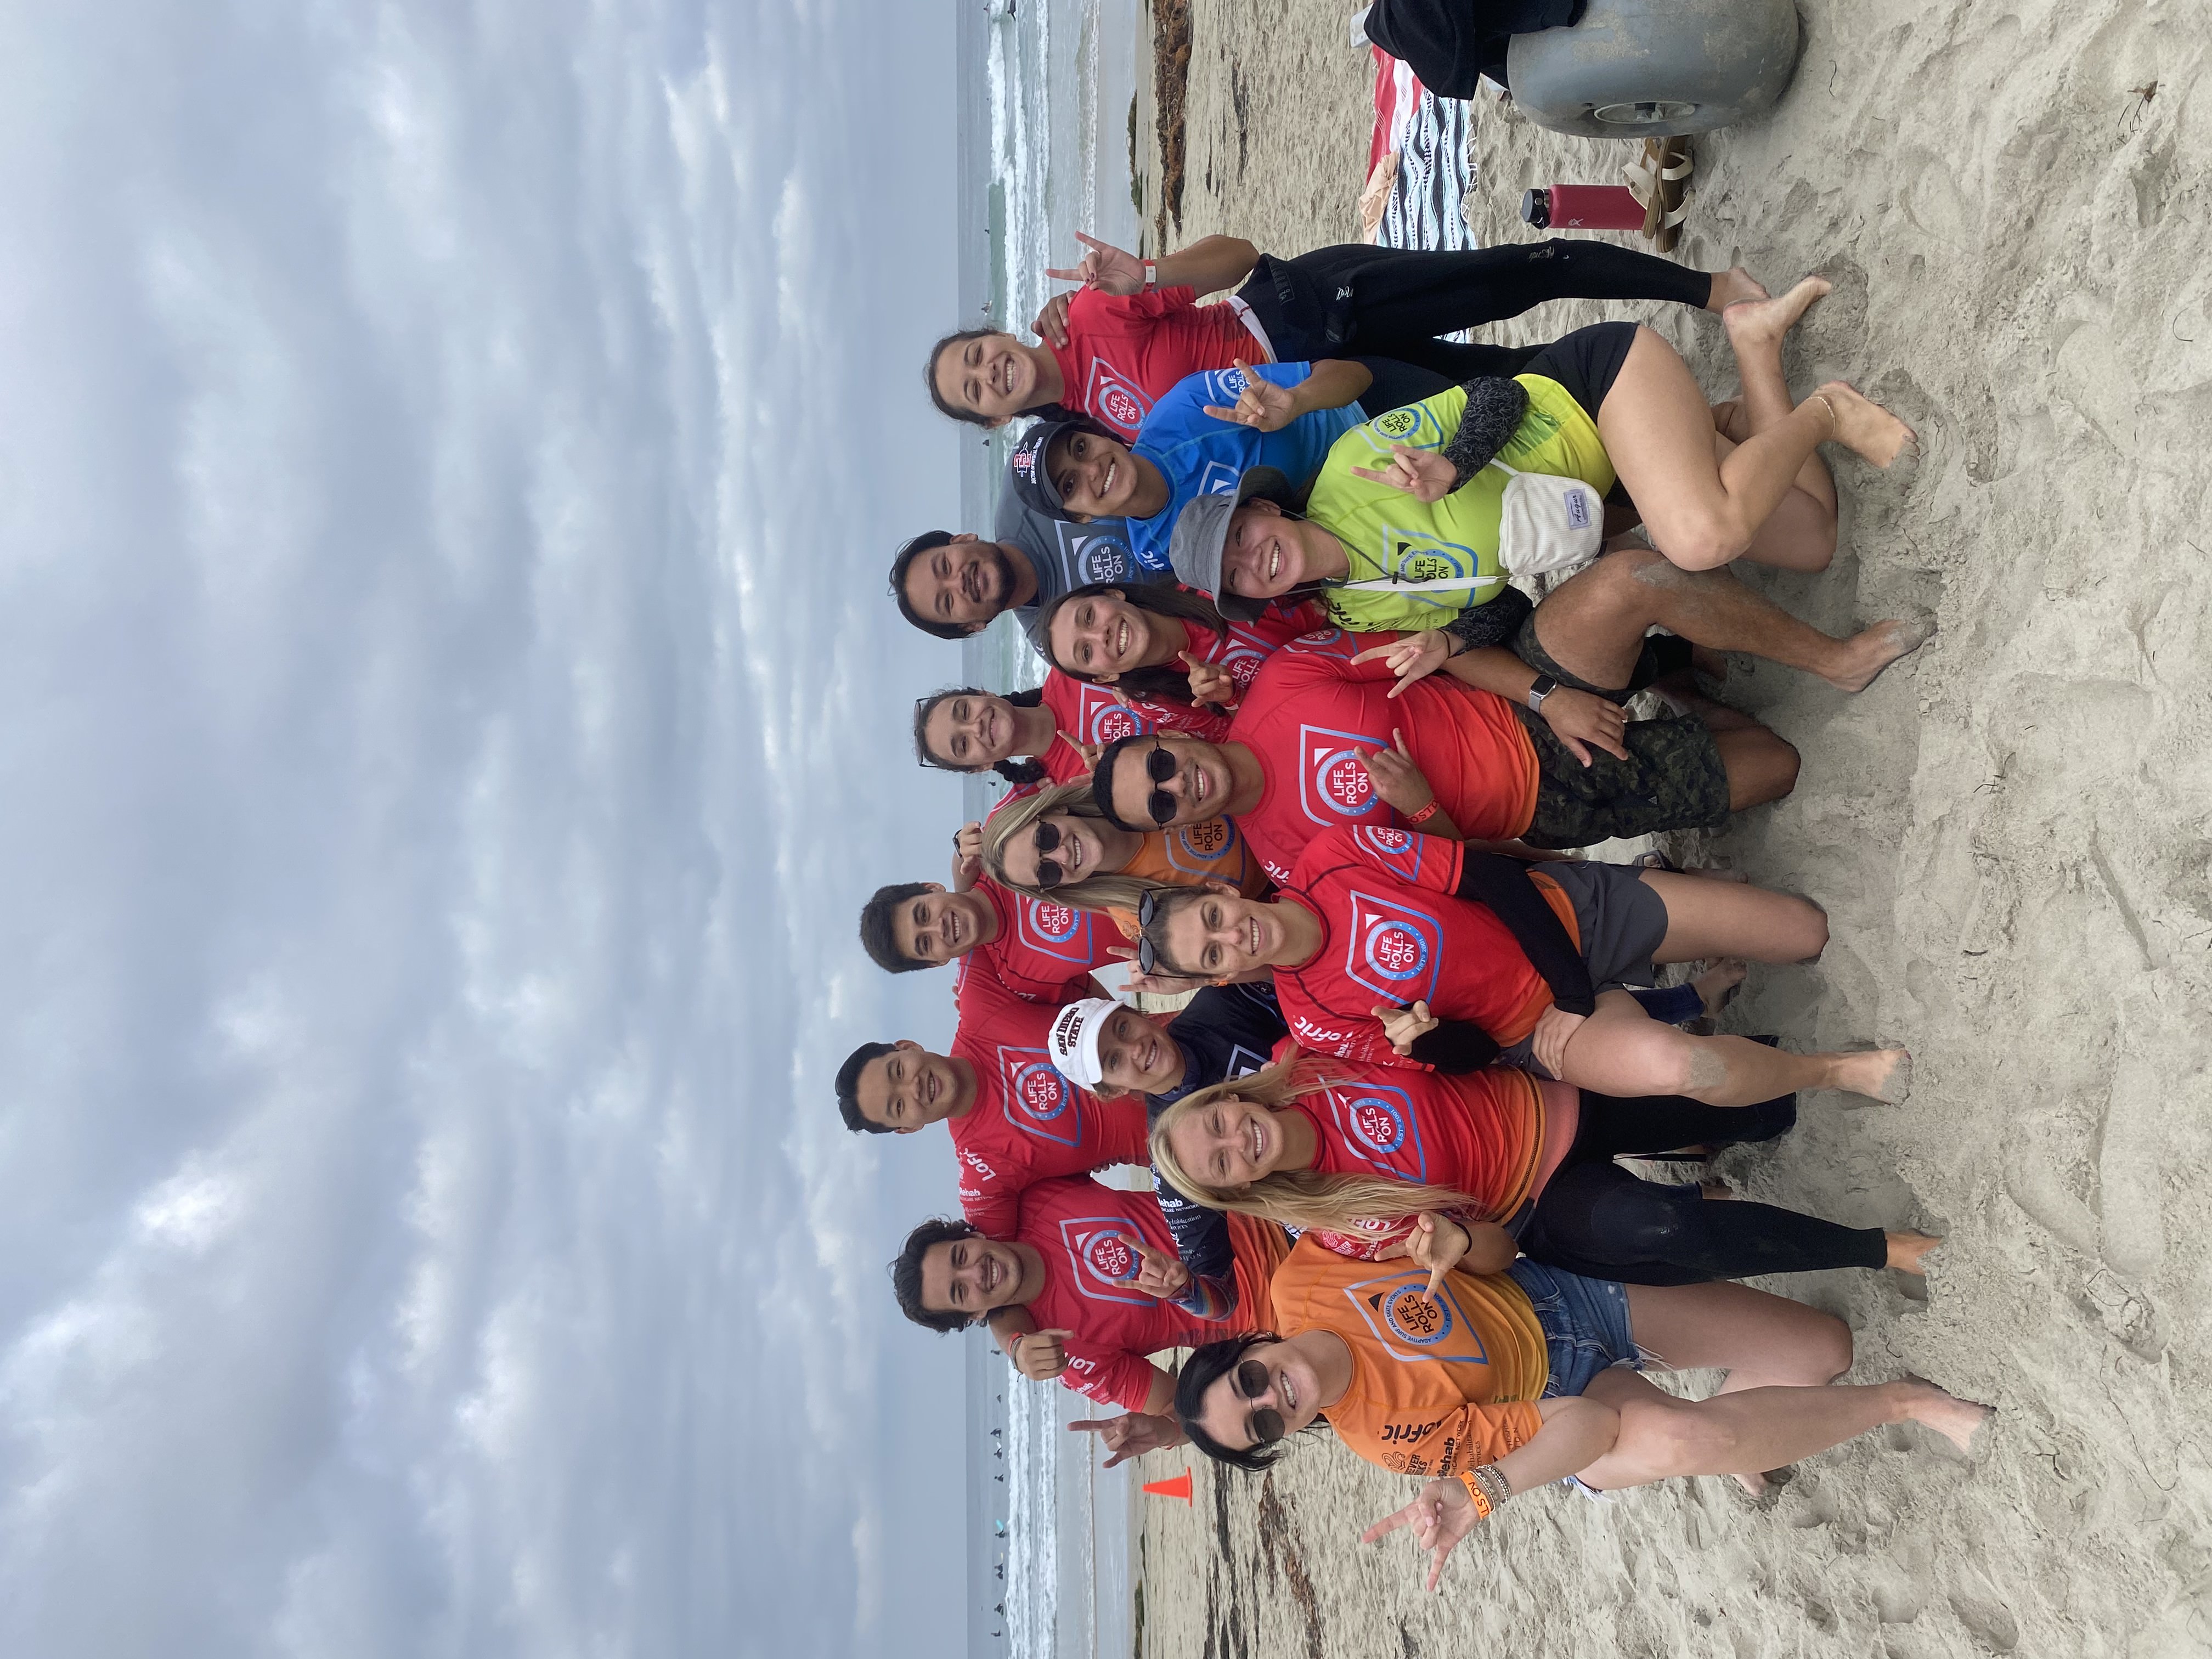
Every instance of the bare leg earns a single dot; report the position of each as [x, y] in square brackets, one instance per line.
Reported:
[1908, 1251]
[1755, 333]
[1622, 1050]
[1732, 919]
[1760, 1340]
[1657, 427]
[1757, 1429]
[1593, 625]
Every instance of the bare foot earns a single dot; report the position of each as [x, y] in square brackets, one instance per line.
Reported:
[1883, 1074]
[1906, 1251]
[1957, 1420]
[1716, 986]
[1718, 1192]
[1758, 325]
[1864, 427]
[1732, 287]
[1867, 653]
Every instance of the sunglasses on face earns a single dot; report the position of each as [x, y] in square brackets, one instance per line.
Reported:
[1148, 959]
[1250, 1381]
[1160, 765]
[1047, 839]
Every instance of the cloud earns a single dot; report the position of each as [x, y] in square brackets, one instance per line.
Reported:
[445, 473]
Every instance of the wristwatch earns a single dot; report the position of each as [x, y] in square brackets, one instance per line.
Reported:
[1543, 688]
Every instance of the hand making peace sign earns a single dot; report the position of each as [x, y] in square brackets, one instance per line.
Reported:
[1262, 404]
[1105, 267]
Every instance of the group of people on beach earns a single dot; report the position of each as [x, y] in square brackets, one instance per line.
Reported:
[1306, 745]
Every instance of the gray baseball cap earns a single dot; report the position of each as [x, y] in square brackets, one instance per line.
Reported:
[1201, 530]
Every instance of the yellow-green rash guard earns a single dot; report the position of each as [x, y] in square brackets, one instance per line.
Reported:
[1387, 533]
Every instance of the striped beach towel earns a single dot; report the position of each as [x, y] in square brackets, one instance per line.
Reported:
[1430, 136]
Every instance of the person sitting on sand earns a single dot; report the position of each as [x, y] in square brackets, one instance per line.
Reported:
[1703, 497]
[1013, 1117]
[1088, 1278]
[1113, 349]
[1319, 739]
[1380, 1161]
[1387, 943]
[1495, 1384]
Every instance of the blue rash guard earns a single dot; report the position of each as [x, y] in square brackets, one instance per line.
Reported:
[1199, 455]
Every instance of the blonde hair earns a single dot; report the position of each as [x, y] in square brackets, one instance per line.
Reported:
[1096, 892]
[1296, 1198]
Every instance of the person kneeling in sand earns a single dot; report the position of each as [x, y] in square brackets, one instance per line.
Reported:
[1494, 1385]
[1380, 1161]
[1086, 1285]
[1387, 943]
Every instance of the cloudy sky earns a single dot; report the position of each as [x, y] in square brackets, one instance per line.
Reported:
[448, 717]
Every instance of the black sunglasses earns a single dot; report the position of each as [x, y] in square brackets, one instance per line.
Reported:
[1160, 765]
[1250, 1381]
[1148, 959]
[1047, 838]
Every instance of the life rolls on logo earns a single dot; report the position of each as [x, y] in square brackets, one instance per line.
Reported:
[1414, 425]
[1102, 719]
[1056, 930]
[1410, 1326]
[1334, 784]
[1395, 949]
[1100, 1249]
[1377, 1121]
[1115, 398]
[1036, 1099]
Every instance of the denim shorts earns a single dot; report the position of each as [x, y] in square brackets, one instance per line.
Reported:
[1585, 1323]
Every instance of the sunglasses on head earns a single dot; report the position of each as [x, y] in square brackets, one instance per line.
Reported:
[1248, 1382]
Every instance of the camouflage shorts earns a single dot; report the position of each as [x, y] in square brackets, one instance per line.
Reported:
[1673, 779]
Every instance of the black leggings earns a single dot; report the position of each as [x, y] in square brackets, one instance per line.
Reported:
[1355, 298]
[1594, 1217]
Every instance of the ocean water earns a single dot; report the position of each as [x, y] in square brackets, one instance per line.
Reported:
[1044, 122]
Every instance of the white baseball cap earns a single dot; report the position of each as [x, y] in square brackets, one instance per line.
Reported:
[1073, 1041]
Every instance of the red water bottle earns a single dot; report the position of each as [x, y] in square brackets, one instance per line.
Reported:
[1582, 207]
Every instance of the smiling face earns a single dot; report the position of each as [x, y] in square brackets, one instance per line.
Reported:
[1101, 636]
[966, 582]
[971, 730]
[1197, 785]
[993, 377]
[1270, 1392]
[1072, 845]
[909, 1089]
[938, 927]
[1136, 1057]
[1268, 552]
[1097, 477]
[971, 1276]
[1221, 935]
[1228, 1143]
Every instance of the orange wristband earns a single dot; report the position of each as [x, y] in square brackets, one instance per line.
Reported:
[1483, 1506]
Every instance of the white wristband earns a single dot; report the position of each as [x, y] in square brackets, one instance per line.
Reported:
[1151, 275]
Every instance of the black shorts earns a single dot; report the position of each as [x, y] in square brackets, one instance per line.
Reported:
[1673, 779]
[1586, 362]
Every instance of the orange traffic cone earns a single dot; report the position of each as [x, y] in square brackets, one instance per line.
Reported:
[1178, 1487]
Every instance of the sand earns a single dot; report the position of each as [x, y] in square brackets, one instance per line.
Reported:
[2010, 833]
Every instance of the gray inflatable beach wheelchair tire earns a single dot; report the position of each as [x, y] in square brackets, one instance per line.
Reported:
[1646, 69]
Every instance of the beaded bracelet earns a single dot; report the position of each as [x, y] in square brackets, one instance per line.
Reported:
[1487, 1487]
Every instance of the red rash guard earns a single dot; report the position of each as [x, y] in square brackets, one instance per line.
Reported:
[1082, 1230]
[1311, 715]
[1028, 1121]
[1124, 352]
[1043, 951]
[1393, 931]
[1093, 714]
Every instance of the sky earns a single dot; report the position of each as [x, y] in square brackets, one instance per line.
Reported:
[449, 717]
